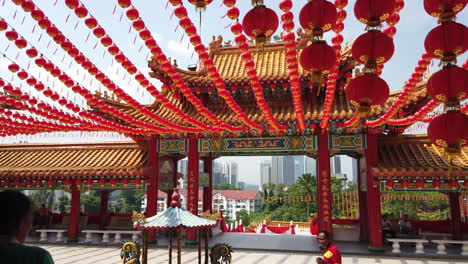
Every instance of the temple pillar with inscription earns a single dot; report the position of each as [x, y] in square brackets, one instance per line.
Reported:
[74, 214]
[152, 189]
[374, 214]
[103, 209]
[192, 186]
[324, 185]
[208, 190]
[455, 215]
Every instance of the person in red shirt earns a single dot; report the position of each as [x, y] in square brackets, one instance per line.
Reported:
[331, 253]
[314, 225]
[44, 215]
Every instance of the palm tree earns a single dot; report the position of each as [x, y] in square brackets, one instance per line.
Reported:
[309, 183]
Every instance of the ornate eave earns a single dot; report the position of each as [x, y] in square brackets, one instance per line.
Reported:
[102, 160]
[415, 157]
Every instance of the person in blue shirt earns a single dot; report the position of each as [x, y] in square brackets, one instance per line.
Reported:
[15, 225]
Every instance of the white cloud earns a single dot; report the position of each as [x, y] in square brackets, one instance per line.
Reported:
[184, 48]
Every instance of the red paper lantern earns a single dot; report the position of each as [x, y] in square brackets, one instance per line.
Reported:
[106, 41]
[453, 184]
[449, 131]
[22, 75]
[318, 16]
[52, 31]
[132, 14]
[449, 85]
[233, 13]
[91, 22]
[180, 11]
[390, 183]
[37, 15]
[367, 90]
[44, 23]
[420, 184]
[200, 4]
[21, 43]
[444, 9]
[81, 11]
[145, 34]
[436, 184]
[447, 41]
[138, 25]
[285, 5]
[72, 4]
[319, 59]
[28, 6]
[373, 48]
[59, 39]
[260, 23]
[125, 3]
[3, 25]
[11, 35]
[404, 184]
[32, 52]
[99, 32]
[372, 12]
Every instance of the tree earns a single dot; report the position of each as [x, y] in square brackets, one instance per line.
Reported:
[307, 187]
[244, 216]
[40, 197]
[91, 202]
[62, 204]
[224, 186]
[127, 201]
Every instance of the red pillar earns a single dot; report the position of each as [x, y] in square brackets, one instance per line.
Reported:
[74, 214]
[103, 209]
[362, 196]
[208, 191]
[374, 215]
[152, 189]
[455, 215]
[192, 192]
[324, 185]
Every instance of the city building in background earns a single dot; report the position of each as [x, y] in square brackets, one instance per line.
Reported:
[228, 201]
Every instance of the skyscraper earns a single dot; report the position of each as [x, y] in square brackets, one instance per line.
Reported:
[336, 161]
[299, 168]
[282, 170]
[217, 173]
[233, 173]
[265, 172]
[310, 166]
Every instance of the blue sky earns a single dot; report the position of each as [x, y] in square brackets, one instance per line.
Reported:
[412, 29]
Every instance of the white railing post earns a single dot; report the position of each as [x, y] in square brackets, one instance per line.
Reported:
[105, 237]
[43, 236]
[59, 237]
[118, 237]
[419, 248]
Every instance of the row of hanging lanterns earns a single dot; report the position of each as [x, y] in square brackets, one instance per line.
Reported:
[449, 85]
[420, 184]
[371, 49]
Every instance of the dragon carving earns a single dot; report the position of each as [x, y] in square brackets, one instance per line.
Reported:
[221, 254]
[130, 253]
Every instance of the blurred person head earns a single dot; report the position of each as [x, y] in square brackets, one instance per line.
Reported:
[16, 222]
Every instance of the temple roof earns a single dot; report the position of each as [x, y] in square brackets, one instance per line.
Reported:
[115, 159]
[270, 64]
[415, 156]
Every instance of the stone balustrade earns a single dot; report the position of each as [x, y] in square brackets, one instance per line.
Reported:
[419, 244]
[106, 234]
[44, 236]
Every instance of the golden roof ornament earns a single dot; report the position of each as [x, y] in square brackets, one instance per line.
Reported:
[138, 217]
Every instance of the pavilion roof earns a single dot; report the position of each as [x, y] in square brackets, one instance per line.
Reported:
[415, 156]
[73, 160]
